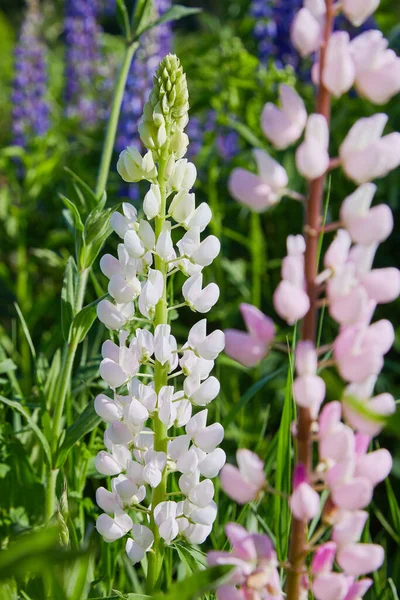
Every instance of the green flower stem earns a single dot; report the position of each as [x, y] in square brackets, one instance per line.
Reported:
[109, 141]
[155, 559]
[71, 348]
[256, 249]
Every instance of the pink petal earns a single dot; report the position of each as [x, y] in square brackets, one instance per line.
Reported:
[360, 559]
[235, 486]
[323, 558]
[382, 285]
[374, 466]
[290, 302]
[244, 348]
[353, 495]
[258, 325]
[250, 190]
[330, 586]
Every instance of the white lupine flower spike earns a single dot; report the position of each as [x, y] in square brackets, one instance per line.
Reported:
[156, 389]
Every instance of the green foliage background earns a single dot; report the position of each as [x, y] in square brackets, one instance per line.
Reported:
[219, 55]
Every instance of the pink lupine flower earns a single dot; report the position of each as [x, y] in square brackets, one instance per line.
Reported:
[339, 71]
[308, 388]
[358, 11]
[358, 589]
[377, 67]
[249, 348]
[261, 191]
[304, 501]
[283, 126]
[360, 559]
[255, 566]
[291, 301]
[366, 155]
[243, 484]
[312, 157]
[381, 405]
[366, 225]
[359, 350]
[306, 32]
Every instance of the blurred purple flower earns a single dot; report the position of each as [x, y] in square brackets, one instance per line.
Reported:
[154, 45]
[272, 30]
[226, 140]
[82, 38]
[30, 113]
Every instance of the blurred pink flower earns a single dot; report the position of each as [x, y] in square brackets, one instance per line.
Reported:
[249, 348]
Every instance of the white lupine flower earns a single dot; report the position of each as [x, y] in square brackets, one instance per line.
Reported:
[144, 393]
[201, 394]
[143, 539]
[182, 207]
[200, 300]
[108, 501]
[143, 345]
[202, 494]
[135, 414]
[200, 218]
[164, 246]
[122, 223]
[165, 518]
[113, 528]
[183, 410]
[189, 363]
[166, 408]
[200, 253]
[109, 410]
[183, 175]
[112, 463]
[114, 316]
[127, 491]
[212, 463]
[155, 464]
[152, 201]
[136, 417]
[206, 346]
[137, 243]
[151, 292]
[132, 167]
[119, 362]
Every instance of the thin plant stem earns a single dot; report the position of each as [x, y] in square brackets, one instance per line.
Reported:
[298, 544]
[256, 244]
[155, 558]
[109, 141]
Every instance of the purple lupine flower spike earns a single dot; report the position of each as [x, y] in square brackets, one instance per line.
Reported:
[30, 115]
[82, 37]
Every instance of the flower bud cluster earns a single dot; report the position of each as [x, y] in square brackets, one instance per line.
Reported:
[145, 444]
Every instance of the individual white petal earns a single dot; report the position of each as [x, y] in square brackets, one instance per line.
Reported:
[210, 437]
[142, 536]
[178, 446]
[202, 494]
[111, 529]
[168, 530]
[211, 465]
[197, 423]
[106, 500]
[187, 462]
[106, 464]
[152, 202]
[107, 409]
[207, 391]
[134, 552]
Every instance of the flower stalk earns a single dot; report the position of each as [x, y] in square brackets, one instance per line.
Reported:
[299, 545]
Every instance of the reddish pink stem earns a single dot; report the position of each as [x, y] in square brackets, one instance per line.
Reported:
[298, 545]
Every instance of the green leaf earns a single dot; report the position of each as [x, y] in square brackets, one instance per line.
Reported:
[196, 585]
[25, 413]
[33, 552]
[175, 13]
[75, 212]
[142, 16]
[7, 365]
[247, 396]
[84, 424]
[83, 321]
[26, 330]
[284, 469]
[88, 194]
[68, 297]
[123, 18]
[97, 230]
